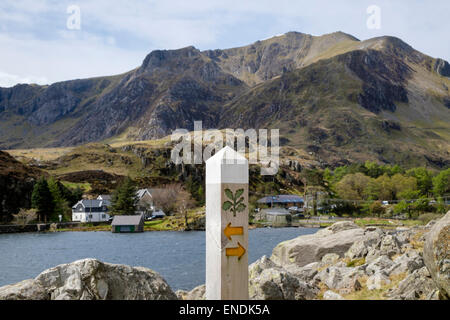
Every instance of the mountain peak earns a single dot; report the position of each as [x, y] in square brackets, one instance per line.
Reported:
[342, 35]
[392, 41]
[161, 58]
[295, 34]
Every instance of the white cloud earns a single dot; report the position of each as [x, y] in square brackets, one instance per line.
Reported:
[82, 57]
[9, 80]
[116, 35]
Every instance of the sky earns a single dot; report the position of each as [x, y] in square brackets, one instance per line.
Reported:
[46, 41]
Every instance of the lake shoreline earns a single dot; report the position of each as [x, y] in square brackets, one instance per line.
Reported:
[178, 256]
[162, 225]
[108, 229]
[372, 263]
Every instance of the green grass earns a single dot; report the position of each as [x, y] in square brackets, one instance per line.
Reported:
[365, 222]
[174, 222]
[356, 262]
[86, 186]
[87, 227]
[325, 224]
[158, 225]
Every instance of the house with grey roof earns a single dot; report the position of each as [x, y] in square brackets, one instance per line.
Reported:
[145, 202]
[88, 210]
[122, 224]
[282, 200]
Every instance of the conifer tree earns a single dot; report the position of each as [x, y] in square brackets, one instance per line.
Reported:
[42, 200]
[124, 198]
[61, 206]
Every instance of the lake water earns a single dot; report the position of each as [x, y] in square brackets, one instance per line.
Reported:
[178, 256]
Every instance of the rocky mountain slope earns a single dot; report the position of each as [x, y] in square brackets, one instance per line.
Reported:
[334, 96]
[360, 104]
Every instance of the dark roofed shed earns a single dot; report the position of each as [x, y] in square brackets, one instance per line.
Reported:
[121, 224]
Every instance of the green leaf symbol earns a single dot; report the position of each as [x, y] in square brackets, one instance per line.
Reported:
[238, 194]
[227, 205]
[237, 205]
[229, 194]
[240, 207]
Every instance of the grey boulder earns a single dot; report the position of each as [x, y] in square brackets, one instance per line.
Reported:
[382, 263]
[343, 279]
[357, 250]
[330, 295]
[377, 281]
[436, 254]
[198, 293]
[91, 279]
[406, 263]
[417, 285]
[267, 281]
[336, 239]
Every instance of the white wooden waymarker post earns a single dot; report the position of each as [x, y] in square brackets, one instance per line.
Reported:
[227, 226]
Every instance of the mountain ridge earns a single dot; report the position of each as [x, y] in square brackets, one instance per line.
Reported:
[387, 86]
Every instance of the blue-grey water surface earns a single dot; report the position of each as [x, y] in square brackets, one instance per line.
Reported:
[178, 256]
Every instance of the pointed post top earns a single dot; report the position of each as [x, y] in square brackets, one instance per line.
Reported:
[227, 166]
[229, 156]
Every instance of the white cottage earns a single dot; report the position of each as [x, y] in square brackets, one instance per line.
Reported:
[91, 211]
[145, 202]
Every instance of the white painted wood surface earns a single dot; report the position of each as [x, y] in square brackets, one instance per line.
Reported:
[227, 275]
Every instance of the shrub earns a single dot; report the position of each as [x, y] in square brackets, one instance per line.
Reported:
[25, 216]
[376, 208]
[401, 207]
[427, 217]
[441, 207]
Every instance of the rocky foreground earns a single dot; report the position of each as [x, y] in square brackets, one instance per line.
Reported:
[340, 262]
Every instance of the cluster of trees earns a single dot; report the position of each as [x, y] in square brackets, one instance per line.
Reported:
[377, 182]
[365, 186]
[51, 199]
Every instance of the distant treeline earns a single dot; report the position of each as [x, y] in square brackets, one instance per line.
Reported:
[371, 181]
[368, 188]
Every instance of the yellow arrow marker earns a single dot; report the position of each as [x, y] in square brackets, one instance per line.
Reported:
[233, 231]
[237, 252]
